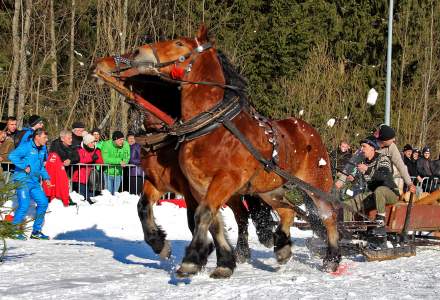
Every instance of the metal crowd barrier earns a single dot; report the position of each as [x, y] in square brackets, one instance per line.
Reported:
[428, 184]
[98, 170]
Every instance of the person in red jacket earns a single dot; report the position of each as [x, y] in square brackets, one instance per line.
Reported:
[88, 154]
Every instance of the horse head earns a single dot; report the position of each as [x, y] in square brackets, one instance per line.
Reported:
[144, 90]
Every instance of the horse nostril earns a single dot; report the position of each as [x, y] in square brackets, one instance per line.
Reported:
[136, 52]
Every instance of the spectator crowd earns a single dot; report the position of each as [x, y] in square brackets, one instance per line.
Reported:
[76, 160]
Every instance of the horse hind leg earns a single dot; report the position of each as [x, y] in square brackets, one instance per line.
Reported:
[260, 213]
[242, 251]
[328, 216]
[281, 236]
[153, 234]
[225, 256]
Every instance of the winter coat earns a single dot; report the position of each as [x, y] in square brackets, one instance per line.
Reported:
[411, 165]
[76, 141]
[380, 173]
[25, 136]
[81, 174]
[5, 148]
[114, 156]
[64, 152]
[425, 167]
[59, 180]
[135, 159]
[29, 155]
[436, 165]
[399, 167]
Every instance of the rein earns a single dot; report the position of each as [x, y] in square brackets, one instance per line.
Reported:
[221, 114]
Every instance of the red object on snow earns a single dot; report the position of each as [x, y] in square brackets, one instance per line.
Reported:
[58, 178]
[179, 202]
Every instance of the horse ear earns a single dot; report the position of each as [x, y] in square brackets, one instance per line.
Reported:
[202, 34]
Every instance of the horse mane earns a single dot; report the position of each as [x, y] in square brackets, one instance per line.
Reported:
[232, 76]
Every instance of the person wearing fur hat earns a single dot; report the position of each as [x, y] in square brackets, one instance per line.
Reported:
[77, 134]
[386, 137]
[116, 153]
[408, 161]
[381, 188]
[88, 154]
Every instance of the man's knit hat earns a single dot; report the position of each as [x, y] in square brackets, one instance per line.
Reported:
[407, 147]
[370, 140]
[426, 149]
[78, 125]
[385, 133]
[117, 135]
[34, 120]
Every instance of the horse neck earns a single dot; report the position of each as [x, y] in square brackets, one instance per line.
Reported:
[198, 98]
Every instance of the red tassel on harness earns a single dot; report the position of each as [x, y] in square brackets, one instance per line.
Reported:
[177, 72]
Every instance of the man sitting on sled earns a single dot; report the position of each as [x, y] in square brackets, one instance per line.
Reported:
[377, 172]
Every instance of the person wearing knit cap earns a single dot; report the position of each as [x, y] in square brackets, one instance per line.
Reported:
[116, 153]
[381, 189]
[25, 135]
[88, 155]
[77, 134]
[425, 168]
[386, 137]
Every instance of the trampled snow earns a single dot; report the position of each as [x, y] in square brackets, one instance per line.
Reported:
[97, 252]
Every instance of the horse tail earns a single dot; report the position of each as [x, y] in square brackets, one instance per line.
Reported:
[313, 217]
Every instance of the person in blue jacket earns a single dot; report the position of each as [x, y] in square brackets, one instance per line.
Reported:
[25, 135]
[29, 159]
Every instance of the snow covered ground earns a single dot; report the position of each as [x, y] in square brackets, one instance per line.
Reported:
[97, 252]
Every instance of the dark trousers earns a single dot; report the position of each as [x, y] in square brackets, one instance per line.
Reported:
[136, 185]
[83, 190]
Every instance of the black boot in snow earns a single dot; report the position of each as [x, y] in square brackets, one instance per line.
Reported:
[379, 234]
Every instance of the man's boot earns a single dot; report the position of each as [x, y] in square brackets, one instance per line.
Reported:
[379, 234]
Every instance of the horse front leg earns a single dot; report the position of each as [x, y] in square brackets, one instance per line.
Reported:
[221, 188]
[153, 233]
[328, 216]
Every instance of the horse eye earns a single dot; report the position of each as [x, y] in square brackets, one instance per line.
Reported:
[136, 52]
[180, 44]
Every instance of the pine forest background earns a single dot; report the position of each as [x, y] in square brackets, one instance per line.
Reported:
[318, 56]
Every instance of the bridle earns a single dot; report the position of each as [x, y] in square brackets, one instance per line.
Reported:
[193, 54]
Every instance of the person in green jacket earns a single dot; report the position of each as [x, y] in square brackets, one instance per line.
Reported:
[116, 153]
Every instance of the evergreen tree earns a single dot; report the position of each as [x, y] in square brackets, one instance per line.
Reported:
[7, 229]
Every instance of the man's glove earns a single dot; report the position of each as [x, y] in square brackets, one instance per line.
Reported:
[95, 157]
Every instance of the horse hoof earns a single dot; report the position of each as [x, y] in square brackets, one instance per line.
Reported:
[187, 270]
[221, 273]
[165, 253]
[284, 254]
[330, 266]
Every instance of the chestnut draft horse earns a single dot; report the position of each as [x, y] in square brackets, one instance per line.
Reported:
[162, 170]
[219, 164]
